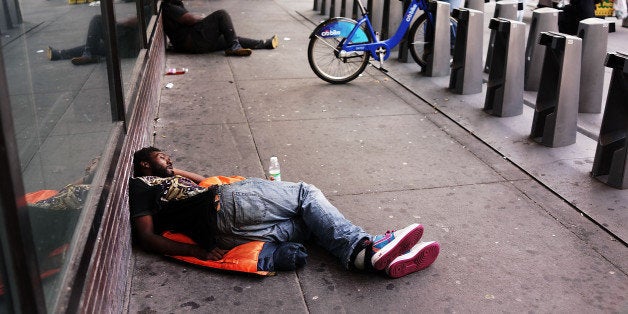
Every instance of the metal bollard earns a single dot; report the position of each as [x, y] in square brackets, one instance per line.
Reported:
[466, 72]
[543, 20]
[376, 10]
[506, 10]
[556, 113]
[355, 11]
[346, 7]
[594, 34]
[324, 7]
[438, 61]
[392, 16]
[403, 45]
[504, 91]
[316, 3]
[395, 15]
[520, 10]
[335, 7]
[385, 31]
[611, 156]
[475, 5]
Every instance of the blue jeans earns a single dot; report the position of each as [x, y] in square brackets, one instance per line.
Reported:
[257, 209]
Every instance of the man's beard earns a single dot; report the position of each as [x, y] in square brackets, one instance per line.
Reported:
[161, 171]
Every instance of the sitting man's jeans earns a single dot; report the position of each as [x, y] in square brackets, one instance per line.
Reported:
[216, 32]
[257, 209]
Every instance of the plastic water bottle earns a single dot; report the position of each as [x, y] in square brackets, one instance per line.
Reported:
[176, 71]
[273, 169]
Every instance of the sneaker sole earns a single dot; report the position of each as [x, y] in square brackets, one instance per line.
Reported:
[239, 53]
[397, 247]
[77, 61]
[421, 260]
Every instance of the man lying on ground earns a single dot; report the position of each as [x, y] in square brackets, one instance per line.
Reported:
[218, 218]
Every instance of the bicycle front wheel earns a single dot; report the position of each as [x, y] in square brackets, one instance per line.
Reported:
[419, 46]
[327, 62]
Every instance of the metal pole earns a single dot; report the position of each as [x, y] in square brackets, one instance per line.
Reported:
[555, 121]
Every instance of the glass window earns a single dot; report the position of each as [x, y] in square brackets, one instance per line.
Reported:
[149, 8]
[128, 37]
[5, 299]
[54, 56]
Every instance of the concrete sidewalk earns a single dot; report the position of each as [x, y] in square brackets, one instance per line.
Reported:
[386, 153]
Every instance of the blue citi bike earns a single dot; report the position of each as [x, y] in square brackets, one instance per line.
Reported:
[340, 48]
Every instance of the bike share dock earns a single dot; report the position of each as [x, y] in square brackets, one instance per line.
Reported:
[502, 98]
[523, 227]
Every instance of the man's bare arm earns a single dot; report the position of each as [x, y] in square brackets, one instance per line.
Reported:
[190, 175]
[158, 244]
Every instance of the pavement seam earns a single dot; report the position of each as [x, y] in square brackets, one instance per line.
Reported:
[246, 116]
[335, 118]
[581, 130]
[300, 283]
[289, 12]
[428, 188]
[439, 110]
[570, 228]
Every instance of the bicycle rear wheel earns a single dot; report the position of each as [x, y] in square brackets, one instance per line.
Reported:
[419, 46]
[325, 60]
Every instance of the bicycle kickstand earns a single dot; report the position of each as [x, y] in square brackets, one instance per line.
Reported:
[381, 52]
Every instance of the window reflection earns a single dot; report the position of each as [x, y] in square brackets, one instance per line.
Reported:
[128, 37]
[53, 215]
[149, 8]
[91, 49]
[5, 300]
[58, 88]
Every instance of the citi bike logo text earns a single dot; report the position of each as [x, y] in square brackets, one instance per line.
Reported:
[411, 13]
[331, 32]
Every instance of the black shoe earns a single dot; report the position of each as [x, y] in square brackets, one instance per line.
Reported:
[237, 50]
[64, 54]
[84, 60]
[53, 55]
[271, 43]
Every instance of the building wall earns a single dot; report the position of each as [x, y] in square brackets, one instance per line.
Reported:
[55, 116]
[105, 289]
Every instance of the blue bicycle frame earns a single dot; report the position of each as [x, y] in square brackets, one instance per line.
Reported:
[357, 40]
[340, 48]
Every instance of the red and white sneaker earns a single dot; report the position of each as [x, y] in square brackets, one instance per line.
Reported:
[388, 246]
[419, 257]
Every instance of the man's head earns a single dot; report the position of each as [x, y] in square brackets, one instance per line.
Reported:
[151, 161]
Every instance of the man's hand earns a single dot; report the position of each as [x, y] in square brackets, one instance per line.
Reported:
[217, 254]
[156, 243]
[197, 178]
[213, 255]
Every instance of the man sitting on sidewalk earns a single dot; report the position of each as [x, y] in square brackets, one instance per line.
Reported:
[192, 34]
[127, 34]
[218, 218]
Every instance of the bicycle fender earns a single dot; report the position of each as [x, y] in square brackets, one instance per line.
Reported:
[340, 27]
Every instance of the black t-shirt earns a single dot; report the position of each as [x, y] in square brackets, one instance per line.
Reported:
[177, 32]
[176, 204]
